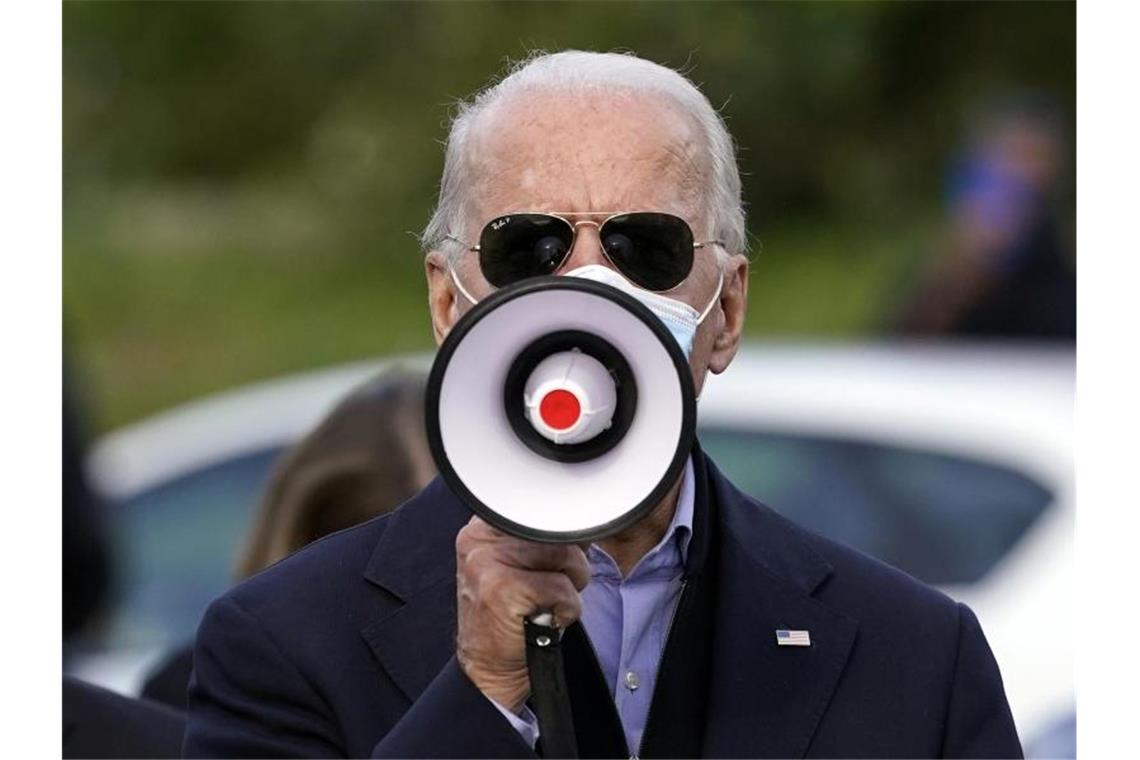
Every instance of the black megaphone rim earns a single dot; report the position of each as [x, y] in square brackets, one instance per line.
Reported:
[468, 321]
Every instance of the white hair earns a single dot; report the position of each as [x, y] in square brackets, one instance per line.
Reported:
[578, 72]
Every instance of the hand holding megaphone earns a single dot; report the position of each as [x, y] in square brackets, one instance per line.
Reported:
[502, 579]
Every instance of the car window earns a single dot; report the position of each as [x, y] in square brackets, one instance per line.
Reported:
[176, 545]
[943, 519]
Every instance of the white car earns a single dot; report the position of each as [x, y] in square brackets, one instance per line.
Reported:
[951, 462]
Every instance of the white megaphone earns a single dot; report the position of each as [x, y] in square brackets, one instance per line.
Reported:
[560, 409]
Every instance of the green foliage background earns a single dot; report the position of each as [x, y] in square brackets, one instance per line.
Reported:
[240, 179]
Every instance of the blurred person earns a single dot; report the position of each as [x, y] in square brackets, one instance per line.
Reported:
[97, 722]
[86, 558]
[365, 458]
[403, 637]
[369, 455]
[1008, 270]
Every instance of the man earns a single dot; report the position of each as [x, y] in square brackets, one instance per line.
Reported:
[403, 637]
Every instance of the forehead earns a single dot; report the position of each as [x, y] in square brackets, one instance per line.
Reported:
[609, 151]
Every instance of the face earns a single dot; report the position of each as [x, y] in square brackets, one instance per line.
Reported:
[586, 158]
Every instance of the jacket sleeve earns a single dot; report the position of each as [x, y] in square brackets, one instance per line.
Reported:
[452, 718]
[247, 699]
[978, 720]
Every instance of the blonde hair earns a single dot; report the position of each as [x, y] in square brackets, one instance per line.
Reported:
[366, 457]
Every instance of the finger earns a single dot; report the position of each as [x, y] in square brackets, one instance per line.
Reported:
[530, 555]
[478, 545]
[553, 592]
[478, 529]
[578, 568]
[501, 592]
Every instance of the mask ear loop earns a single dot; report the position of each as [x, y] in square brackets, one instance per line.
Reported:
[712, 302]
[455, 278]
[719, 287]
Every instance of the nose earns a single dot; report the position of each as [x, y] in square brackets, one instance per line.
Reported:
[587, 248]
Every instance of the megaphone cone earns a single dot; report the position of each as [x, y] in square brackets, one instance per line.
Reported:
[560, 409]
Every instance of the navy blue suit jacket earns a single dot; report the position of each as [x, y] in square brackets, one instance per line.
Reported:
[347, 649]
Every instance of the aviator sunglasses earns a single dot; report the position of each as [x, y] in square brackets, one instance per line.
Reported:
[653, 250]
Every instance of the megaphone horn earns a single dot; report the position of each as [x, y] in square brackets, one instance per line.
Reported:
[560, 409]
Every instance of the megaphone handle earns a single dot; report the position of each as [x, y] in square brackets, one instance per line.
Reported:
[548, 686]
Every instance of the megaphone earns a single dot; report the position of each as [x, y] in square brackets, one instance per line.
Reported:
[560, 409]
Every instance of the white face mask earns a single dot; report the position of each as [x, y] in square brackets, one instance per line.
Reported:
[678, 317]
[681, 319]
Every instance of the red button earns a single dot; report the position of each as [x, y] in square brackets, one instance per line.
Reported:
[560, 409]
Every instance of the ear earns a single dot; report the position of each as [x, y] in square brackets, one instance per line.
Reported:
[443, 299]
[734, 305]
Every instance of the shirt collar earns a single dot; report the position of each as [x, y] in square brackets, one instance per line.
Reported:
[673, 548]
[682, 524]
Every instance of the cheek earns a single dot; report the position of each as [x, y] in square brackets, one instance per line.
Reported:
[705, 339]
[702, 344]
[699, 370]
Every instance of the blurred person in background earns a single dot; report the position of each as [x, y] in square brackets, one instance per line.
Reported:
[97, 722]
[365, 458]
[86, 562]
[1008, 269]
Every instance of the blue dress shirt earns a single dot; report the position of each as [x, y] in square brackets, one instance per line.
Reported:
[628, 619]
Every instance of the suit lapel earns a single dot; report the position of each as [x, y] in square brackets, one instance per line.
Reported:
[413, 636]
[766, 700]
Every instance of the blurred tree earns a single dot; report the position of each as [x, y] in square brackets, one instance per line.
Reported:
[207, 143]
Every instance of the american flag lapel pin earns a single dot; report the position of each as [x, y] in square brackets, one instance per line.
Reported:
[786, 638]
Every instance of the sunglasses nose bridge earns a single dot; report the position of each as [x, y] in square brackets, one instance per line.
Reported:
[586, 247]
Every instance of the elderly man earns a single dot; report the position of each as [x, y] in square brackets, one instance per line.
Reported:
[403, 637]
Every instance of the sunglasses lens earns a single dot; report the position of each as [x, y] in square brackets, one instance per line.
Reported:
[653, 250]
[518, 246]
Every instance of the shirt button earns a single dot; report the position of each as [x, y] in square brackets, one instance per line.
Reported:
[632, 681]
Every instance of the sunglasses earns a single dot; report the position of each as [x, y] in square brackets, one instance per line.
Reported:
[652, 250]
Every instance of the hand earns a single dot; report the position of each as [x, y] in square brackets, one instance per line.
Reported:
[501, 580]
